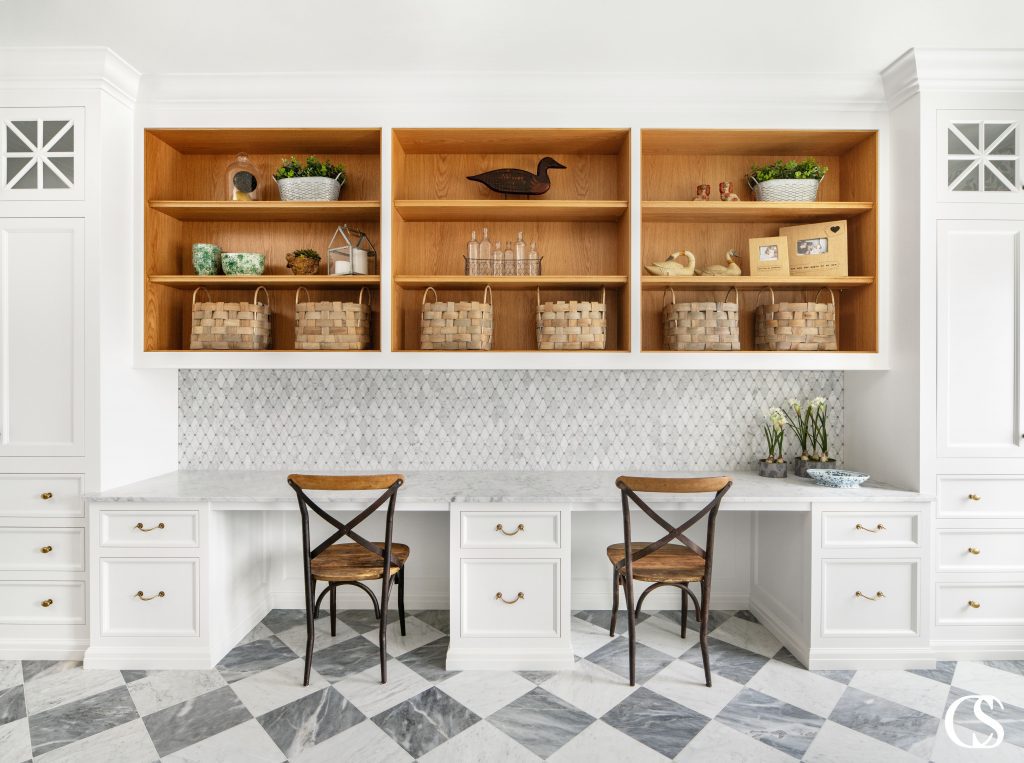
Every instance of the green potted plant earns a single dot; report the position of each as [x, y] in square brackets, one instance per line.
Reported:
[774, 429]
[820, 458]
[316, 180]
[303, 262]
[799, 420]
[786, 180]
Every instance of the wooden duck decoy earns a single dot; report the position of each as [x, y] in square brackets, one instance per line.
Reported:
[671, 267]
[511, 181]
[730, 269]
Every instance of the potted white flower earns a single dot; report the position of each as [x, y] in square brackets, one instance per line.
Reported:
[799, 420]
[820, 458]
[774, 429]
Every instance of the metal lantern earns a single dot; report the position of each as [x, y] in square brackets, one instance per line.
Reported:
[357, 256]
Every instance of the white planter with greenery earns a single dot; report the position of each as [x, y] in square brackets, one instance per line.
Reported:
[316, 181]
[787, 181]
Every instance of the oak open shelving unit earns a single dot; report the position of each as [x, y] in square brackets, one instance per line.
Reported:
[581, 225]
[674, 162]
[185, 191]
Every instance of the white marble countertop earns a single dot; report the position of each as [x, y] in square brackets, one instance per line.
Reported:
[434, 489]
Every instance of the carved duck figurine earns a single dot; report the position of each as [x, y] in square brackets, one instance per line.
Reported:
[730, 269]
[671, 267]
[519, 182]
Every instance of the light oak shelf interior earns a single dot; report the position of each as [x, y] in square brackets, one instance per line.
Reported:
[752, 211]
[510, 210]
[267, 281]
[269, 211]
[512, 282]
[754, 282]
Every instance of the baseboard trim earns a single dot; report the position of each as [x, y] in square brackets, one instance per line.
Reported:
[475, 658]
[148, 658]
[41, 649]
[978, 650]
[880, 658]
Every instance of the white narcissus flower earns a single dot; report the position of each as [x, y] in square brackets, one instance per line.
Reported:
[818, 402]
[795, 405]
[777, 417]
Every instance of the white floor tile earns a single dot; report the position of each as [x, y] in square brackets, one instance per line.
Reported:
[485, 691]
[684, 683]
[946, 751]
[55, 689]
[164, 688]
[838, 744]
[10, 673]
[662, 634]
[600, 743]
[587, 637]
[128, 743]
[365, 742]
[365, 691]
[721, 744]
[589, 687]
[15, 742]
[797, 686]
[481, 743]
[270, 689]
[920, 693]
[246, 742]
[417, 634]
[981, 679]
[748, 635]
[295, 637]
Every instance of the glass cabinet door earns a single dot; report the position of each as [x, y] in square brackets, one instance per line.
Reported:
[980, 156]
[41, 153]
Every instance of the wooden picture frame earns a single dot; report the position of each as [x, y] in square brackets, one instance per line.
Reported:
[769, 256]
[817, 249]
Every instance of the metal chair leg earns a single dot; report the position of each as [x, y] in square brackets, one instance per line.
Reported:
[401, 598]
[334, 610]
[615, 600]
[309, 633]
[705, 601]
[382, 639]
[631, 614]
[686, 607]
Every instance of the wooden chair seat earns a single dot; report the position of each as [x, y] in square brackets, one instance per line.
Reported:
[349, 561]
[669, 564]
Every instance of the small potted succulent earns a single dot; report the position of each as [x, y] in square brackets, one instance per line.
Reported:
[316, 180]
[774, 428]
[303, 262]
[786, 180]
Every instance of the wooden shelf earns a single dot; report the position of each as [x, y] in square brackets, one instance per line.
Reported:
[269, 211]
[751, 211]
[512, 282]
[649, 283]
[270, 140]
[267, 281]
[511, 210]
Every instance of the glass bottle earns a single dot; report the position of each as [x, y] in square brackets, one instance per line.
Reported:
[484, 265]
[522, 268]
[534, 259]
[243, 180]
[472, 256]
[510, 259]
[498, 259]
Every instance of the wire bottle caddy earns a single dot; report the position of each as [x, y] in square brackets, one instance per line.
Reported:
[487, 258]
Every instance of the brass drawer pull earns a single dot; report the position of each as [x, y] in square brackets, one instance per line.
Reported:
[47, 602]
[518, 530]
[973, 550]
[974, 604]
[878, 528]
[46, 549]
[878, 595]
[149, 529]
[973, 497]
[149, 598]
[46, 496]
[519, 596]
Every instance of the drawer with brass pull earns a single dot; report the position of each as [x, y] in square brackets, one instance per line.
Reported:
[981, 496]
[869, 598]
[149, 528]
[41, 495]
[510, 598]
[51, 602]
[862, 529]
[990, 550]
[510, 529]
[987, 603]
[42, 548]
[149, 597]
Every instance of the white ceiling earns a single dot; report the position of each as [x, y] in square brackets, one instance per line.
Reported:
[662, 36]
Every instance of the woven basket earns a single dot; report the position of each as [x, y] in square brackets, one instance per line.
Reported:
[808, 326]
[572, 325]
[701, 325]
[230, 325]
[789, 189]
[331, 325]
[457, 325]
[309, 189]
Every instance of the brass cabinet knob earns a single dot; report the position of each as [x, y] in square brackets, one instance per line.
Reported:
[143, 597]
[877, 529]
[973, 550]
[973, 604]
[149, 529]
[47, 602]
[878, 595]
[46, 549]
[973, 497]
[46, 496]
[518, 530]
[500, 597]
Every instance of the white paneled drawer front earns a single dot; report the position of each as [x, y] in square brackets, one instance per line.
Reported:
[979, 603]
[870, 529]
[981, 497]
[152, 528]
[987, 550]
[510, 530]
[43, 602]
[149, 597]
[510, 598]
[42, 548]
[869, 598]
[41, 495]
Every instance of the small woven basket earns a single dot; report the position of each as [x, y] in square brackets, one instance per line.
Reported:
[331, 325]
[230, 325]
[309, 189]
[572, 325]
[457, 325]
[787, 189]
[701, 325]
[807, 326]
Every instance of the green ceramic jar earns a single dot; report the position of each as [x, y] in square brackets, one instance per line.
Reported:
[206, 259]
[243, 263]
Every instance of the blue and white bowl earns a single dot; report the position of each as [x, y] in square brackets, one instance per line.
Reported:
[837, 477]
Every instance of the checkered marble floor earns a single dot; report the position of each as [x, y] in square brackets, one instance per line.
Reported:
[252, 707]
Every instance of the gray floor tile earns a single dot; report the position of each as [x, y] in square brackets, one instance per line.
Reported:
[1011, 718]
[12, 704]
[1010, 666]
[423, 722]
[842, 676]
[603, 617]
[132, 675]
[308, 721]
[540, 721]
[715, 619]
[942, 672]
[429, 660]
[68, 723]
[254, 657]
[362, 620]
[614, 656]
[350, 656]
[537, 676]
[32, 669]
[186, 723]
[885, 721]
[746, 614]
[727, 660]
[282, 619]
[656, 721]
[435, 618]
[772, 721]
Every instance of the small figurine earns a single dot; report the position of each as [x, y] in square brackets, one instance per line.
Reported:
[725, 191]
[731, 269]
[511, 181]
[703, 192]
[672, 268]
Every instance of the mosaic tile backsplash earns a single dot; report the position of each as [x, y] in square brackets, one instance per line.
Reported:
[655, 420]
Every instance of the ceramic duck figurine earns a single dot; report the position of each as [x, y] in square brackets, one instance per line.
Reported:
[730, 269]
[671, 267]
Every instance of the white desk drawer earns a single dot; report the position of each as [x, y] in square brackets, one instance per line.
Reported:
[124, 612]
[981, 496]
[511, 529]
[981, 550]
[869, 529]
[997, 604]
[893, 613]
[42, 602]
[488, 585]
[41, 495]
[58, 549]
[148, 528]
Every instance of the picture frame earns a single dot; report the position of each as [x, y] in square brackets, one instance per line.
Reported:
[769, 256]
[818, 249]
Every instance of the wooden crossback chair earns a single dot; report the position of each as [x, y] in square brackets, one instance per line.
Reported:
[662, 563]
[351, 563]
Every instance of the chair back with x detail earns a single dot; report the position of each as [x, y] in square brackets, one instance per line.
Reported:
[661, 562]
[350, 563]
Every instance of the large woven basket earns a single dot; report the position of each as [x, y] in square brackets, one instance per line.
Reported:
[701, 325]
[572, 325]
[808, 326]
[457, 325]
[330, 325]
[230, 325]
[309, 189]
[788, 189]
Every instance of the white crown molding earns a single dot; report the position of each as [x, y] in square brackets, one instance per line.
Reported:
[924, 70]
[70, 68]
